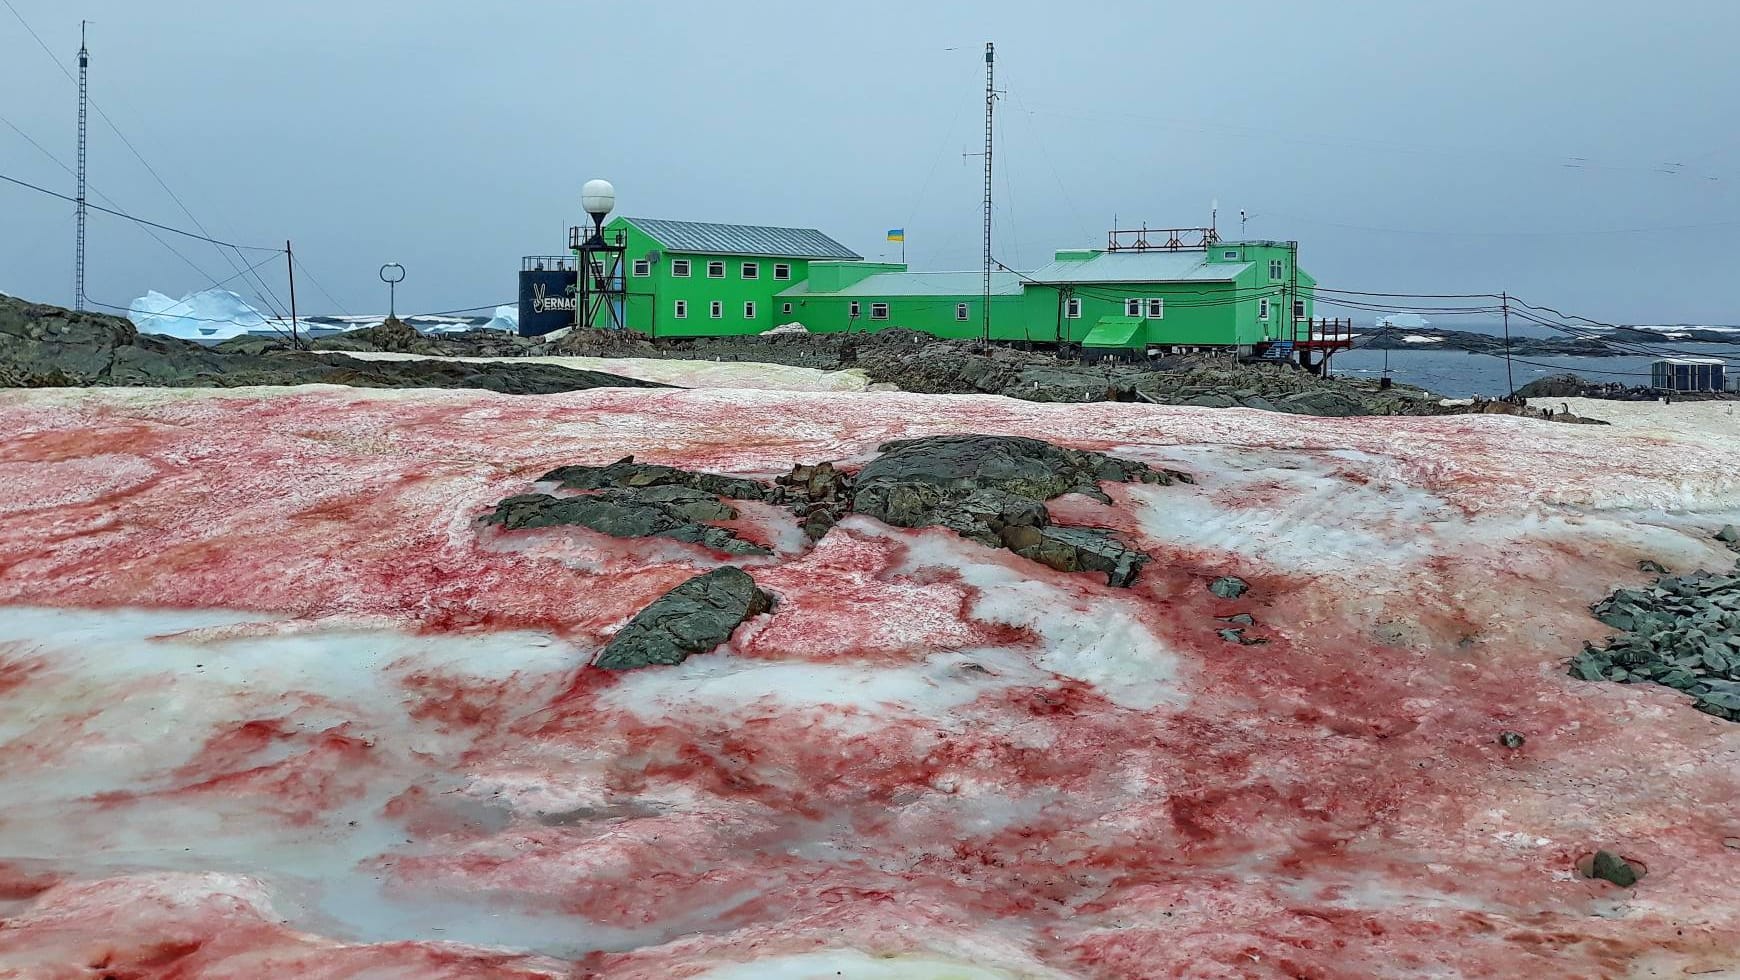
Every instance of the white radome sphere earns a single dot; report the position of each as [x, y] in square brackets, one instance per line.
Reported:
[598, 197]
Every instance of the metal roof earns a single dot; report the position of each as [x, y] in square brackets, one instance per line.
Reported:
[1142, 267]
[707, 238]
[920, 284]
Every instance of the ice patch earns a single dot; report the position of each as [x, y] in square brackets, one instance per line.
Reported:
[1417, 339]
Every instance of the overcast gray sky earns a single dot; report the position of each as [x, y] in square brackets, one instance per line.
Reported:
[1409, 146]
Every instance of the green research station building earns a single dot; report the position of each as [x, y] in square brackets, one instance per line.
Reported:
[698, 279]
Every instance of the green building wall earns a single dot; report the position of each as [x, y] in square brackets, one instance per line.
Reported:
[650, 303]
[820, 294]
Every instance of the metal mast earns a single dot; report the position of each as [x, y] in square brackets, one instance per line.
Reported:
[990, 123]
[84, 105]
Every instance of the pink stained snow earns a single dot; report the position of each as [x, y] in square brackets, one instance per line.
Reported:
[273, 703]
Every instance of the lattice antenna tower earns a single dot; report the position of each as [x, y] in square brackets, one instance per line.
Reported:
[84, 145]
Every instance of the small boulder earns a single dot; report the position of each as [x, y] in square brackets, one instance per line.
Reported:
[1511, 740]
[1608, 866]
[692, 618]
[1729, 534]
[1229, 587]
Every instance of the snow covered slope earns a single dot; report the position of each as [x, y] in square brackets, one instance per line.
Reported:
[272, 704]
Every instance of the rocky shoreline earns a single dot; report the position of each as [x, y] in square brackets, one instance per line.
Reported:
[47, 346]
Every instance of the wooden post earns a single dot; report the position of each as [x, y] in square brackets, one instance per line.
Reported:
[290, 264]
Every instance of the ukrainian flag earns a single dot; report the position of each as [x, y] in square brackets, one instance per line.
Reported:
[897, 234]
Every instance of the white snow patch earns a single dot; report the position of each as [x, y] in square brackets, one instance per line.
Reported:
[1417, 339]
[212, 314]
[166, 682]
[1087, 637]
[853, 965]
[727, 684]
[786, 328]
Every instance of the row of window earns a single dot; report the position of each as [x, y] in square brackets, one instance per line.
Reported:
[716, 310]
[1152, 307]
[684, 268]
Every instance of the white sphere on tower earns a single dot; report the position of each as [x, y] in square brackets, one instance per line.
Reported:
[598, 197]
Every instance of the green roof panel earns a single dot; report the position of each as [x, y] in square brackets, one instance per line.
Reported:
[1116, 331]
[707, 238]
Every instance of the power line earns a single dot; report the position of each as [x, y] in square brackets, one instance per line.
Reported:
[122, 214]
[335, 303]
[205, 234]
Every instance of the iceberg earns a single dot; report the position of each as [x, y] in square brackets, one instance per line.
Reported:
[212, 314]
[506, 318]
[1407, 321]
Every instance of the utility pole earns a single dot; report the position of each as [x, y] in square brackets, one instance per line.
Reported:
[84, 104]
[290, 266]
[1508, 376]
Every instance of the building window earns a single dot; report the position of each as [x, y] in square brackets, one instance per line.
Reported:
[1263, 308]
[961, 311]
[1072, 308]
[642, 268]
[1275, 269]
[854, 311]
[680, 268]
[715, 270]
[1132, 307]
[1230, 255]
[681, 311]
[1298, 309]
[716, 309]
[752, 270]
[878, 311]
[749, 311]
[782, 270]
[785, 307]
[1156, 308]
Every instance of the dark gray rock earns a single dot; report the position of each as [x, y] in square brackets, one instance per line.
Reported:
[1077, 549]
[1729, 534]
[1229, 587]
[1608, 866]
[1511, 740]
[820, 496]
[1654, 567]
[625, 473]
[622, 516]
[692, 618]
[993, 489]
[47, 345]
[1242, 619]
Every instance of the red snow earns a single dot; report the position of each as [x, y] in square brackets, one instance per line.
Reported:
[1332, 802]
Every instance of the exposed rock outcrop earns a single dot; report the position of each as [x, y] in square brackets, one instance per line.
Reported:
[660, 512]
[625, 473]
[1682, 633]
[47, 345]
[992, 489]
[692, 618]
